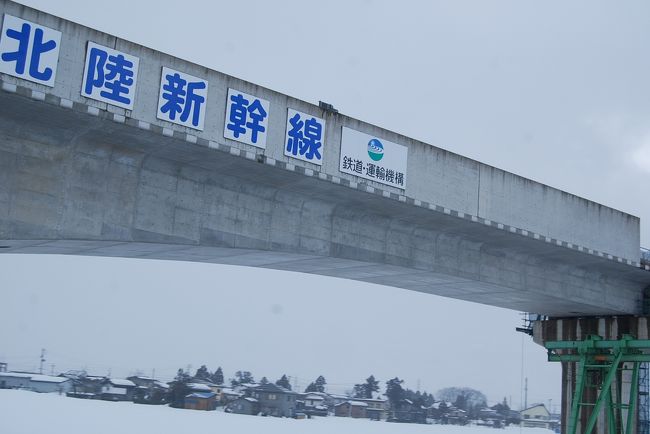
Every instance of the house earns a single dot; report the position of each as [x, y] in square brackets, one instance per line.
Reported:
[149, 390]
[114, 389]
[537, 416]
[35, 382]
[454, 416]
[355, 409]
[49, 384]
[406, 411]
[201, 401]
[331, 400]
[199, 387]
[312, 399]
[244, 405]
[377, 408]
[83, 385]
[312, 404]
[14, 380]
[274, 400]
[228, 395]
[491, 417]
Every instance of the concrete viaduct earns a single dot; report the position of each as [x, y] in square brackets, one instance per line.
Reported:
[82, 176]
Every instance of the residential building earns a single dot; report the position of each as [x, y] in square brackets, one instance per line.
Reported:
[407, 412]
[201, 401]
[114, 389]
[537, 416]
[228, 395]
[14, 380]
[355, 409]
[312, 404]
[244, 405]
[149, 390]
[35, 382]
[274, 400]
[377, 408]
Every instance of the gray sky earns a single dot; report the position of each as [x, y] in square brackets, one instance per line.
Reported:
[554, 91]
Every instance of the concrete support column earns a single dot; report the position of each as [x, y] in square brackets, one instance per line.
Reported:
[575, 329]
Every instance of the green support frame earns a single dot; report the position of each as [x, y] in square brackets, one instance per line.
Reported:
[599, 365]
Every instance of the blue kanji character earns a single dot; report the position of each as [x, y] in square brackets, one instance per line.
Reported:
[347, 163]
[109, 72]
[257, 114]
[312, 139]
[295, 134]
[20, 56]
[118, 79]
[238, 115]
[180, 100]
[399, 178]
[174, 94]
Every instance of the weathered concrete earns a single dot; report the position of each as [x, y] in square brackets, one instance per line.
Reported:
[82, 177]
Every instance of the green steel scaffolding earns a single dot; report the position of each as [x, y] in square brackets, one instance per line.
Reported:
[599, 368]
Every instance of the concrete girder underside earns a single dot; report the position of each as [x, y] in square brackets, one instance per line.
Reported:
[73, 183]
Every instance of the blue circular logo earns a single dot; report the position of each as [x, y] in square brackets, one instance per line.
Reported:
[375, 149]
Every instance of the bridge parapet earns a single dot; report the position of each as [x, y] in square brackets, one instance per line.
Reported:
[435, 178]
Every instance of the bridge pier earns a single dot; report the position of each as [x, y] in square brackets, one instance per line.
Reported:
[601, 361]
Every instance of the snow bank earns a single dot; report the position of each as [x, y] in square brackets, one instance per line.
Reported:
[25, 412]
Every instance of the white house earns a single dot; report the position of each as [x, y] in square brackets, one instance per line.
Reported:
[36, 382]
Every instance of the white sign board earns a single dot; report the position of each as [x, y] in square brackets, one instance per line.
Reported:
[110, 76]
[182, 98]
[247, 118]
[29, 51]
[305, 137]
[373, 158]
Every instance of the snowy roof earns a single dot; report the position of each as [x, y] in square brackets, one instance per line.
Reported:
[372, 399]
[229, 391]
[49, 379]
[15, 375]
[205, 395]
[354, 403]
[251, 399]
[314, 397]
[273, 388]
[121, 382]
[199, 387]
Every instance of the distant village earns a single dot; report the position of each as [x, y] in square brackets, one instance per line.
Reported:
[206, 391]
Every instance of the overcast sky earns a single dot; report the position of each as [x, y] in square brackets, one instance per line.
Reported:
[554, 91]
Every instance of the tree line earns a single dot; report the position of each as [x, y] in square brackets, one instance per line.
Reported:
[465, 398]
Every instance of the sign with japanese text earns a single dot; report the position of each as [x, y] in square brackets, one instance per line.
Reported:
[182, 98]
[110, 76]
[304, 137]
[373, 158]
[29, 51]
[247, 118]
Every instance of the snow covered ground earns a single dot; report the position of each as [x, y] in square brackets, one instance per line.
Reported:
[23, 412]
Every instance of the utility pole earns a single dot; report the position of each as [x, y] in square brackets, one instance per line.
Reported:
[526, 394]
[40, 370]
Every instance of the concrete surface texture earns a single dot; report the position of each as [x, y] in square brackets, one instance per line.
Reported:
[79, 176]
